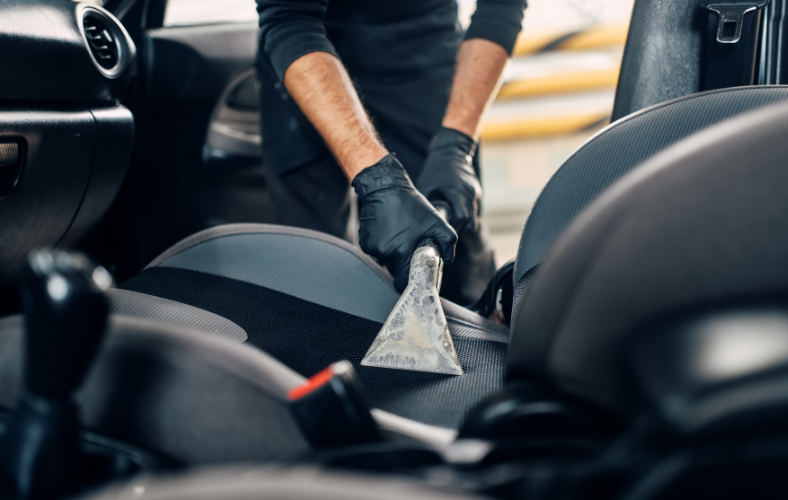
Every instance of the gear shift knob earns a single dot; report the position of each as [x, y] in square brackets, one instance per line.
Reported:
[66, 310]
[65, 303]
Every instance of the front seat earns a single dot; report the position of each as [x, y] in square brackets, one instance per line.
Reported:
[309, 299]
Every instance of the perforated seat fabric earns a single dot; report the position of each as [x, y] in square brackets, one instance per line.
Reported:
[309, 300]
[703, 224]
[127, 304]
[615, 151]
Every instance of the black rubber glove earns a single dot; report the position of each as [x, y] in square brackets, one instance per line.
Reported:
[394, 217]
[448, 176]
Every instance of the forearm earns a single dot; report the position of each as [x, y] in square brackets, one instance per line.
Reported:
[320, 85]
[480, 64]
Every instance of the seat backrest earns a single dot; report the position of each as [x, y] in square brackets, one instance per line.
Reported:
[703, 223]
[616, 150]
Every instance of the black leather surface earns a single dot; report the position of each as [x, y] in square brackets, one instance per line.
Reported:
[702, 223]
[618, 149]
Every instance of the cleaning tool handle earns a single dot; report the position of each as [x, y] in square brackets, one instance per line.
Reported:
[443, 211]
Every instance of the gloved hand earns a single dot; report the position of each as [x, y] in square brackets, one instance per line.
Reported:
[394, 217]
[448, 176]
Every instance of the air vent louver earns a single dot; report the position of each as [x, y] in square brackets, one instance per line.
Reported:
[101, 42]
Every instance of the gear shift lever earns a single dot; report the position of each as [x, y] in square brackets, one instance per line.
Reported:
[66, 308]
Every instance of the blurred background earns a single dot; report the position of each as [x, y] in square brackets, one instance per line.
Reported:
[557, 92]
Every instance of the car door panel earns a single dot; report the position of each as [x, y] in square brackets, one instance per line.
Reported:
[198, 161]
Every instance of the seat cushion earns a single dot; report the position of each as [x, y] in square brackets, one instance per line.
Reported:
[309, 300]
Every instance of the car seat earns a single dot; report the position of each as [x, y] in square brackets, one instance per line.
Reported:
[700, 226]
[309, 300]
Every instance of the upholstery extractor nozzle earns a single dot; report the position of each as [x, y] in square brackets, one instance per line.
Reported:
[416, 335]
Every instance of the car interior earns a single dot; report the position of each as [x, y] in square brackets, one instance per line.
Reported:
[201, 351]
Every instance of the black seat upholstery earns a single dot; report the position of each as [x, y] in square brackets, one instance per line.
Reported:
[615, 151]
[310, 299]
[704, 224]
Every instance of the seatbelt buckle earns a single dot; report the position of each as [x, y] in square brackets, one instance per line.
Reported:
[331, 409]
[731, 45]
[730, 17]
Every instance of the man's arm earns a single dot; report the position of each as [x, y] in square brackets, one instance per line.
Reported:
[489, 41]
[448, 175]
[480, 64]
[393, 216]
[293, 36]
[320, 85]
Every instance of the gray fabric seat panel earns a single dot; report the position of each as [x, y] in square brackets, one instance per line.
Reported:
[189, 394]
[301, 482]
[703, 223]
[194, 397]
[619, 148]
[309, 265]
[168, 312]
[302, 263]
[326, 272]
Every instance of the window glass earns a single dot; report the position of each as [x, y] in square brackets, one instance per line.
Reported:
[192, 12]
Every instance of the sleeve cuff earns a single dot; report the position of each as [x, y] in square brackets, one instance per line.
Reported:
[294, 40]
[501, 24]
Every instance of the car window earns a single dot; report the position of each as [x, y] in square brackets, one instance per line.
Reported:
[193, 12]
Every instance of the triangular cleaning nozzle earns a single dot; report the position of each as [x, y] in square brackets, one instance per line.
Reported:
[416, 336]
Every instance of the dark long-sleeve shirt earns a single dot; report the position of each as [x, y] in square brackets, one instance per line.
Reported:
[380, 36]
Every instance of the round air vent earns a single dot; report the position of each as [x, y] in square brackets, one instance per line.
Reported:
[101, 41]
[110, 48]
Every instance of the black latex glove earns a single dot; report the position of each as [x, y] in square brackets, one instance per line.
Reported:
[448, 176]
[394, 217]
